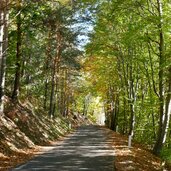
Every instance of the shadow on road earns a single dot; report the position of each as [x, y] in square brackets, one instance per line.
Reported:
[87, 149]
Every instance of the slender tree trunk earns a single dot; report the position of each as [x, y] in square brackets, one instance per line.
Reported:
[67, 104]
[108, 109]
[167, 107]
[132, 100]
[2, 67]
[15, 93]
[52, 95]
[65, 93]
[3, 48]
[68, 92]
[125, 122]
[112, 115]
[62, 101]
[151, 88]
[114, 112]
[45, 94]
[162, 128]
[47, 61]
[55, 71]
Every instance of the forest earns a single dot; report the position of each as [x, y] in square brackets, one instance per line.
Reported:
[91, 56]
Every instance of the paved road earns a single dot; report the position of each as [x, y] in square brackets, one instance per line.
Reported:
[88, 149]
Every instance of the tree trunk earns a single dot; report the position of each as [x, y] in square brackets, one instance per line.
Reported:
[167, 107]
[52, 95]
[65, 92]
[55, 71]
[113, 116]
[131, 101]
[62, 99]
[152, 86]
[68, 92]
[114, 113]
[45, 94]
[15, 93]
[46, 68]
[125, 122]
[162, 128]
[3, 48]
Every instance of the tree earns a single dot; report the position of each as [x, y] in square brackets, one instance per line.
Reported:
[133, 32]
[41, 43]
[4, 8]
[164, 108]
[16, 88]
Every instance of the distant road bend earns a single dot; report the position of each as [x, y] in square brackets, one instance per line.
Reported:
[87, 149]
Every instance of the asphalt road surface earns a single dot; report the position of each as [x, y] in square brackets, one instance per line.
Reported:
[87, 149]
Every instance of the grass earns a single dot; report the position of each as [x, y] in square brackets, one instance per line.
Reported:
[166, 155]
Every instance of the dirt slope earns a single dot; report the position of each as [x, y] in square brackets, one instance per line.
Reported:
[23, 131]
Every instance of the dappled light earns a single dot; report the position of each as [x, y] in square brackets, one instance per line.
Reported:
[136, 158]
[89, 148]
